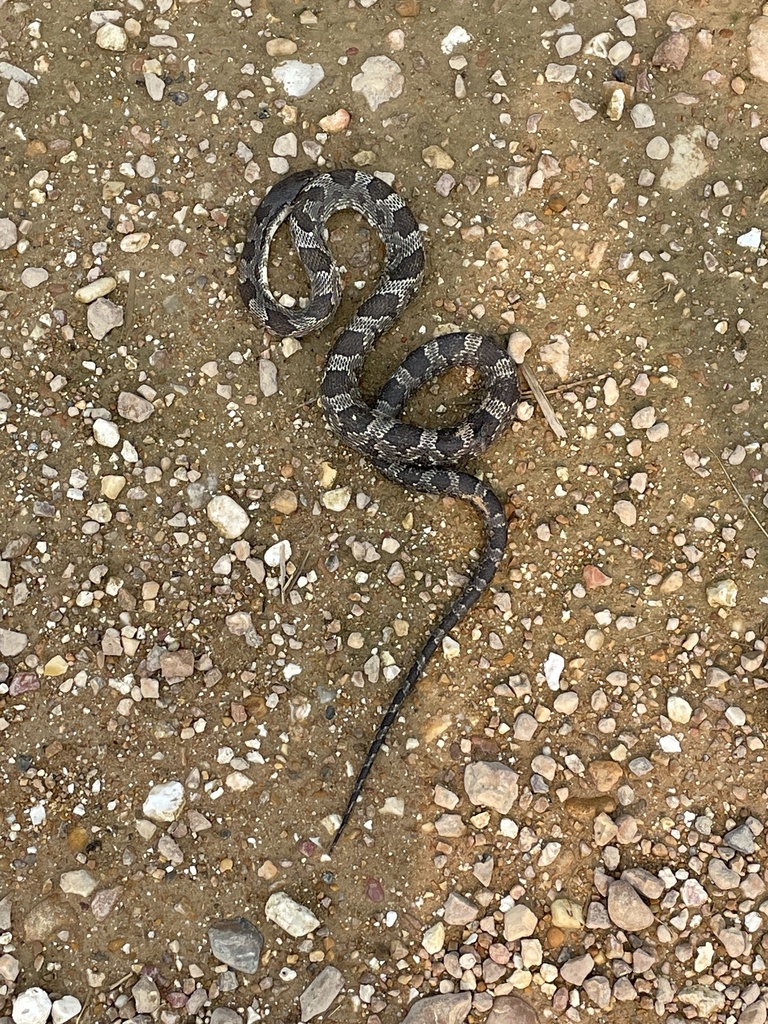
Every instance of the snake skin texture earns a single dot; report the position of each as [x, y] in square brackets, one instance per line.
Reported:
[419, 458]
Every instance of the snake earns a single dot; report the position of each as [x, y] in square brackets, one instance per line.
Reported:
[419, 458]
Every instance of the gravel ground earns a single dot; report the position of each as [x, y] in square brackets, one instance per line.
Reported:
[206, 600]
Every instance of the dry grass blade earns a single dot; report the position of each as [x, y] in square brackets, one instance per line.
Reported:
[739, 495]
[545, 405]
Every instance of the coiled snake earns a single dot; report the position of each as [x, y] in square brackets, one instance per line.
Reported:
[419, 458]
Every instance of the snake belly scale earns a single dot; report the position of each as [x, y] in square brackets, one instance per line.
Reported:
[422, 459]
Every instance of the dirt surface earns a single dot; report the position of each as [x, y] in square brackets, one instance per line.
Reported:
[616, 667]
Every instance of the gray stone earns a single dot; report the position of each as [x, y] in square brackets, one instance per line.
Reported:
[650, 885]
[757, 50]
[103, 316]
[8, 233]
[740, 839]
[447, 1009]
[238, 943]
[12, 642]
[5, 914]
[146, 995]
[225, 1015]
[512, 1010]
[459, 910]
[134, 407]
[626, 909]
[320, 993]
[725, 878]
[576, 970]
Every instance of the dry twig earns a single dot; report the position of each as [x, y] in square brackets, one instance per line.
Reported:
[545, 405]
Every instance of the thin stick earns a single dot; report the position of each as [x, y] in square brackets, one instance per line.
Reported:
[743, 500]
[577, 383]
[550, 416]
[289, 585]
[121, 981]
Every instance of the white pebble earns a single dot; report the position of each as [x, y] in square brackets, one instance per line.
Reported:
[569, 44]
[289, 915]
[337, 499]
[642, 116]
[106, 433]
[456, 37]
[619, 52]
[95, 289]
[31, 277]
[112, 37]
[751, 239]
[65, 1009]
[297, 78]
[164, 803]
[679, 710]
[277, 553]
[227, 516]
[31, 1007]
[657, 148]
[553, 669]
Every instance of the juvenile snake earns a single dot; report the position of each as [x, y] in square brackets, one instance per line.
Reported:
[417, 457]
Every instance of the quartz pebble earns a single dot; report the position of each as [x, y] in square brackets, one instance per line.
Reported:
[626, 909]
[289, 915]
[64, 1009]
[112, 37]
[229, 518]
[519, 922]
[96, 289]
[134, 407]
[12, 642]
[722, 594]
[298, 78]
[33, 277]
[642, 116]
[106, 433]
[32, 1006]
[164, 802]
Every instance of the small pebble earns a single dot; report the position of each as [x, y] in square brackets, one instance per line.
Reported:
[106, 433]
[657, 148]
[292, 917]
[111, 37]
[229, 518]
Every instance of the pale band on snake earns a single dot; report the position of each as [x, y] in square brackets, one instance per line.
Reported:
[420, 458]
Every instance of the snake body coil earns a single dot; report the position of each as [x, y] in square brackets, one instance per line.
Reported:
[419, 458]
